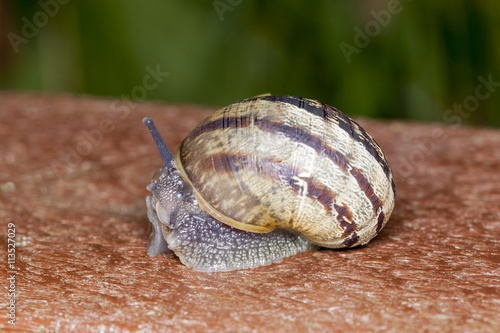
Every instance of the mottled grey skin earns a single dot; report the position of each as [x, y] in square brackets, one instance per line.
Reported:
[201, 242]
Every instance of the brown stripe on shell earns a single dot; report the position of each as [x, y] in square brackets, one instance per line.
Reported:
[298, 135]
[273, 171]
[324, 111]
[380, 221]
[327, 198]
[328, 112]
[365, 185]
[351, 241]
[219, 123]
[221, 162]
[293, 133]
[359, 134]
[314, 191]
[344, 217]
[225, 163]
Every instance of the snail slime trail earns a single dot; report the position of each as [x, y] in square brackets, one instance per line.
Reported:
[265, 178]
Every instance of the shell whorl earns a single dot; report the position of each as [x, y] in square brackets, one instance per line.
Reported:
[282, 161]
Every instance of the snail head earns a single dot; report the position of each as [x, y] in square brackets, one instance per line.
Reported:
[168, 188]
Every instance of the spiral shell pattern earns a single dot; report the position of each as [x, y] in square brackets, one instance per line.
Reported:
[289, 162]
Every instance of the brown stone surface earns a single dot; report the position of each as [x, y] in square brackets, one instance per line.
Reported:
[81, 231]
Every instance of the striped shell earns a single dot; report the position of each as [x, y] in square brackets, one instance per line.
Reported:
[281, 161]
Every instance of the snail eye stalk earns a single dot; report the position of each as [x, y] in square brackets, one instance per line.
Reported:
[166, 155]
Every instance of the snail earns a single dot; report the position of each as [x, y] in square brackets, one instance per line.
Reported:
[263, 179]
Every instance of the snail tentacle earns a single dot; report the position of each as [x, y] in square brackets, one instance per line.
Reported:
[166, 155]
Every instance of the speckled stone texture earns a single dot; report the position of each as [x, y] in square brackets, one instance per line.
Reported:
[73, 172]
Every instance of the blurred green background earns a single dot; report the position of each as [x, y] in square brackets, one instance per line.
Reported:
[379, 58]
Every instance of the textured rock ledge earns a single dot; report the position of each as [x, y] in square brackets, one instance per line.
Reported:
[73, 172]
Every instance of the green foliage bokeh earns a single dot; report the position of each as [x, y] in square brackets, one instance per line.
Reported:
[426, 59]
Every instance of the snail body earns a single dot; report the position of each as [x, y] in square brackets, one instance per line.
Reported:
[265, 178]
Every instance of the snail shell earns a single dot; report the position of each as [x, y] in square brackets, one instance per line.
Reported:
[282, 162]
